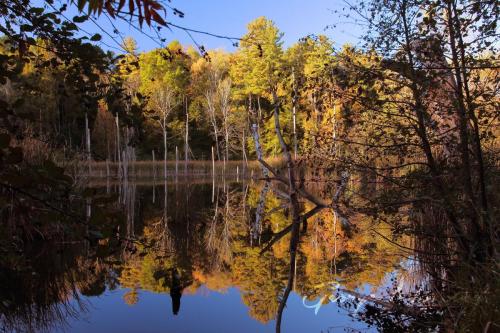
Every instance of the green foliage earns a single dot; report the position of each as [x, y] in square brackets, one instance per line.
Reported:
[258, 63]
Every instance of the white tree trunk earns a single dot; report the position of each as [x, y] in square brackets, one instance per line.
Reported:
[258, 149]
[213, 174]
[118, 157]
[165, 147]
[176, 161]
[227, 140]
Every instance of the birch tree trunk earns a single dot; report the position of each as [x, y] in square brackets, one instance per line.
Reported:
[213, 174]
[118, 157]
[165, 146]
[243, 148]
[258, 149]
[176, 162]
[210, 97]
[154, 164]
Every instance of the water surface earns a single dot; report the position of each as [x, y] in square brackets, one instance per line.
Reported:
[190, 259]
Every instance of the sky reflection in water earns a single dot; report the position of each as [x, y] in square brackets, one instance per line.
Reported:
[205, 311]
[226, 286]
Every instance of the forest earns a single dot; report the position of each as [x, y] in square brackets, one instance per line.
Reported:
[272, 168]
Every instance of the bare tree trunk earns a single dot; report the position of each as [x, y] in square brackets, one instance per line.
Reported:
[260, 112]
[258, 149]
[165, 203]
[260, 211]
[217, 144]
[165, 146]
[118, 171]
[227, 142]
[243, 148]
[107, 168]
[176, 161]
[334, 131]
[294, 115]
[213, 174]
[87, 140]
[213, 119]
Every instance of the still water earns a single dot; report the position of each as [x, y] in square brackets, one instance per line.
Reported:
[193, 256]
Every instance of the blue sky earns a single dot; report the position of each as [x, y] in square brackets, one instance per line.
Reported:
[296, 18]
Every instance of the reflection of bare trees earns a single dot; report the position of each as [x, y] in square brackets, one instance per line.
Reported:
[40, 317]
[211, 238]
[129, 193]
[256, 228]
[161, 237]
[46, 295]
[166, 236]
[218, 239]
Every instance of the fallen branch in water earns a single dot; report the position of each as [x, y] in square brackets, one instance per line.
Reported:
[286, 230]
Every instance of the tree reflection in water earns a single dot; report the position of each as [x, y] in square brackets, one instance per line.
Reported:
[175, 246]
[45, 291]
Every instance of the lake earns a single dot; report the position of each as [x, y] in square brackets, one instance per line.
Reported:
[195, 256]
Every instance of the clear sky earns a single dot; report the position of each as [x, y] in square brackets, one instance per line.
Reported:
[296, 18]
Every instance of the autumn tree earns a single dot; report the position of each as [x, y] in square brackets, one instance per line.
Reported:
[257, 74]
[164, 78]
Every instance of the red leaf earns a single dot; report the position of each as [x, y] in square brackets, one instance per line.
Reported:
[155, 5]
[157, 18]
[147, 14]
[120, 5]
[139, 9]
[131, 7]
[109, 9]
[99, 7]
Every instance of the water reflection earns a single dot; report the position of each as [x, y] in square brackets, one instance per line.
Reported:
[183, 238]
